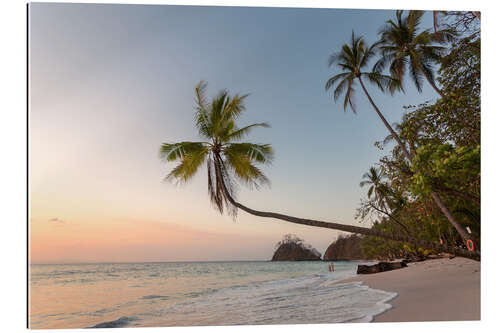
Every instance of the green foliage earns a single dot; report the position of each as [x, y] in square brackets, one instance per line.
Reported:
[351, 61]
[406, 50]
[444, 140]
[226, 158]
[290, 239]
[446, 166]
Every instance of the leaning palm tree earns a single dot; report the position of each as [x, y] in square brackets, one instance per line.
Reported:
[407, 50]
[228, 160]
[352, 60]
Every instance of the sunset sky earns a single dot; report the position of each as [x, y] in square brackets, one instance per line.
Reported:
[110, 83]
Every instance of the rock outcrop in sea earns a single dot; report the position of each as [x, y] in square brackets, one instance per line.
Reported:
[294, 252]
[345, 248]
[292, 248]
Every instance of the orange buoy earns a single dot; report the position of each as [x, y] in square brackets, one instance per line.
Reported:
[470, 245]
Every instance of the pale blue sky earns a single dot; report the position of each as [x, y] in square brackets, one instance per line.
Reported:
[110, 83]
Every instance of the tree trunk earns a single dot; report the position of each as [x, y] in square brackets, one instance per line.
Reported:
[393, 133]
[433, 85]
[344, 227]
[461, 230]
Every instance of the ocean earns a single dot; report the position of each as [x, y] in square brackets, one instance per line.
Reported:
[198, 294]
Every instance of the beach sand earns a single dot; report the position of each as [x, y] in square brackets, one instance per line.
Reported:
[431, 290]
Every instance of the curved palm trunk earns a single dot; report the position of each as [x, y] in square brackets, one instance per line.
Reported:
[461, 230]
[433, 85]
[344, 227]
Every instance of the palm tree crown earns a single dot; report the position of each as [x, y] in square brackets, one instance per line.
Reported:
[226, 158]
[352, 60]
[406, 49]
[374, 178]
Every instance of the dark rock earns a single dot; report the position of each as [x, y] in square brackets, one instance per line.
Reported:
[415, 259]
[345, 248]
[294, 252]
[380, 267]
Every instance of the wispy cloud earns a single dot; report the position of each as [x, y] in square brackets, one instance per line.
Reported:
[57, 220]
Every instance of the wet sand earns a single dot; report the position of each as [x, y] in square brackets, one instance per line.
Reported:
[432, 290]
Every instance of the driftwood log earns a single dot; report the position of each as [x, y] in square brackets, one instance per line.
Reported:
[380, 267]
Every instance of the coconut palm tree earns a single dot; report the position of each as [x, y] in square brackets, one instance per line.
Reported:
[381, 197]
[407, 50]
[228, 160]
[221, 150]
[377, 188]
[352, 60]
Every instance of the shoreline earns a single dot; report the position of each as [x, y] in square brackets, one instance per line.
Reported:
[431, 290]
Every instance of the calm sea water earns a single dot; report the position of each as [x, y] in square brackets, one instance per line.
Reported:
[204, 293]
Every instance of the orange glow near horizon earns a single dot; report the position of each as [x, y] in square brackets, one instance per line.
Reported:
[57, 241]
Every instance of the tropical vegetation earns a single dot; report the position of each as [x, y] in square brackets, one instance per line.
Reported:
[444, 140]
[424, 195]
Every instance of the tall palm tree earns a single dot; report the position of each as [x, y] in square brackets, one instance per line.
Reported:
[407, 50]
[229, 160]
[352, 61]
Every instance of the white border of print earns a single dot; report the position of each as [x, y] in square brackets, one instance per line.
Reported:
[13, 166]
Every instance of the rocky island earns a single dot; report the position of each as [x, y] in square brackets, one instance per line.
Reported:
[345, 248]
[292, 248]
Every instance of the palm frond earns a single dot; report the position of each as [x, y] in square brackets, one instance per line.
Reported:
[170, 152]
[349, 97]
[331, 81]
[242, 132]
[245, 170]
[335, 58]
[426, 68]
[200, 98]
[415, 73]
[188, 166]
[398, 67]
[235, 106]
[380, 64]
[260, 153]
[413, 20]
[340, 87]
[370, 192]
[368, 53]
[201, 115]
[384, 82]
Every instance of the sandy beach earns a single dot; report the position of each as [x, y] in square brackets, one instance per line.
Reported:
[432, 290]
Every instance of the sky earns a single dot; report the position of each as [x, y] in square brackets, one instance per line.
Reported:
[110, 83]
